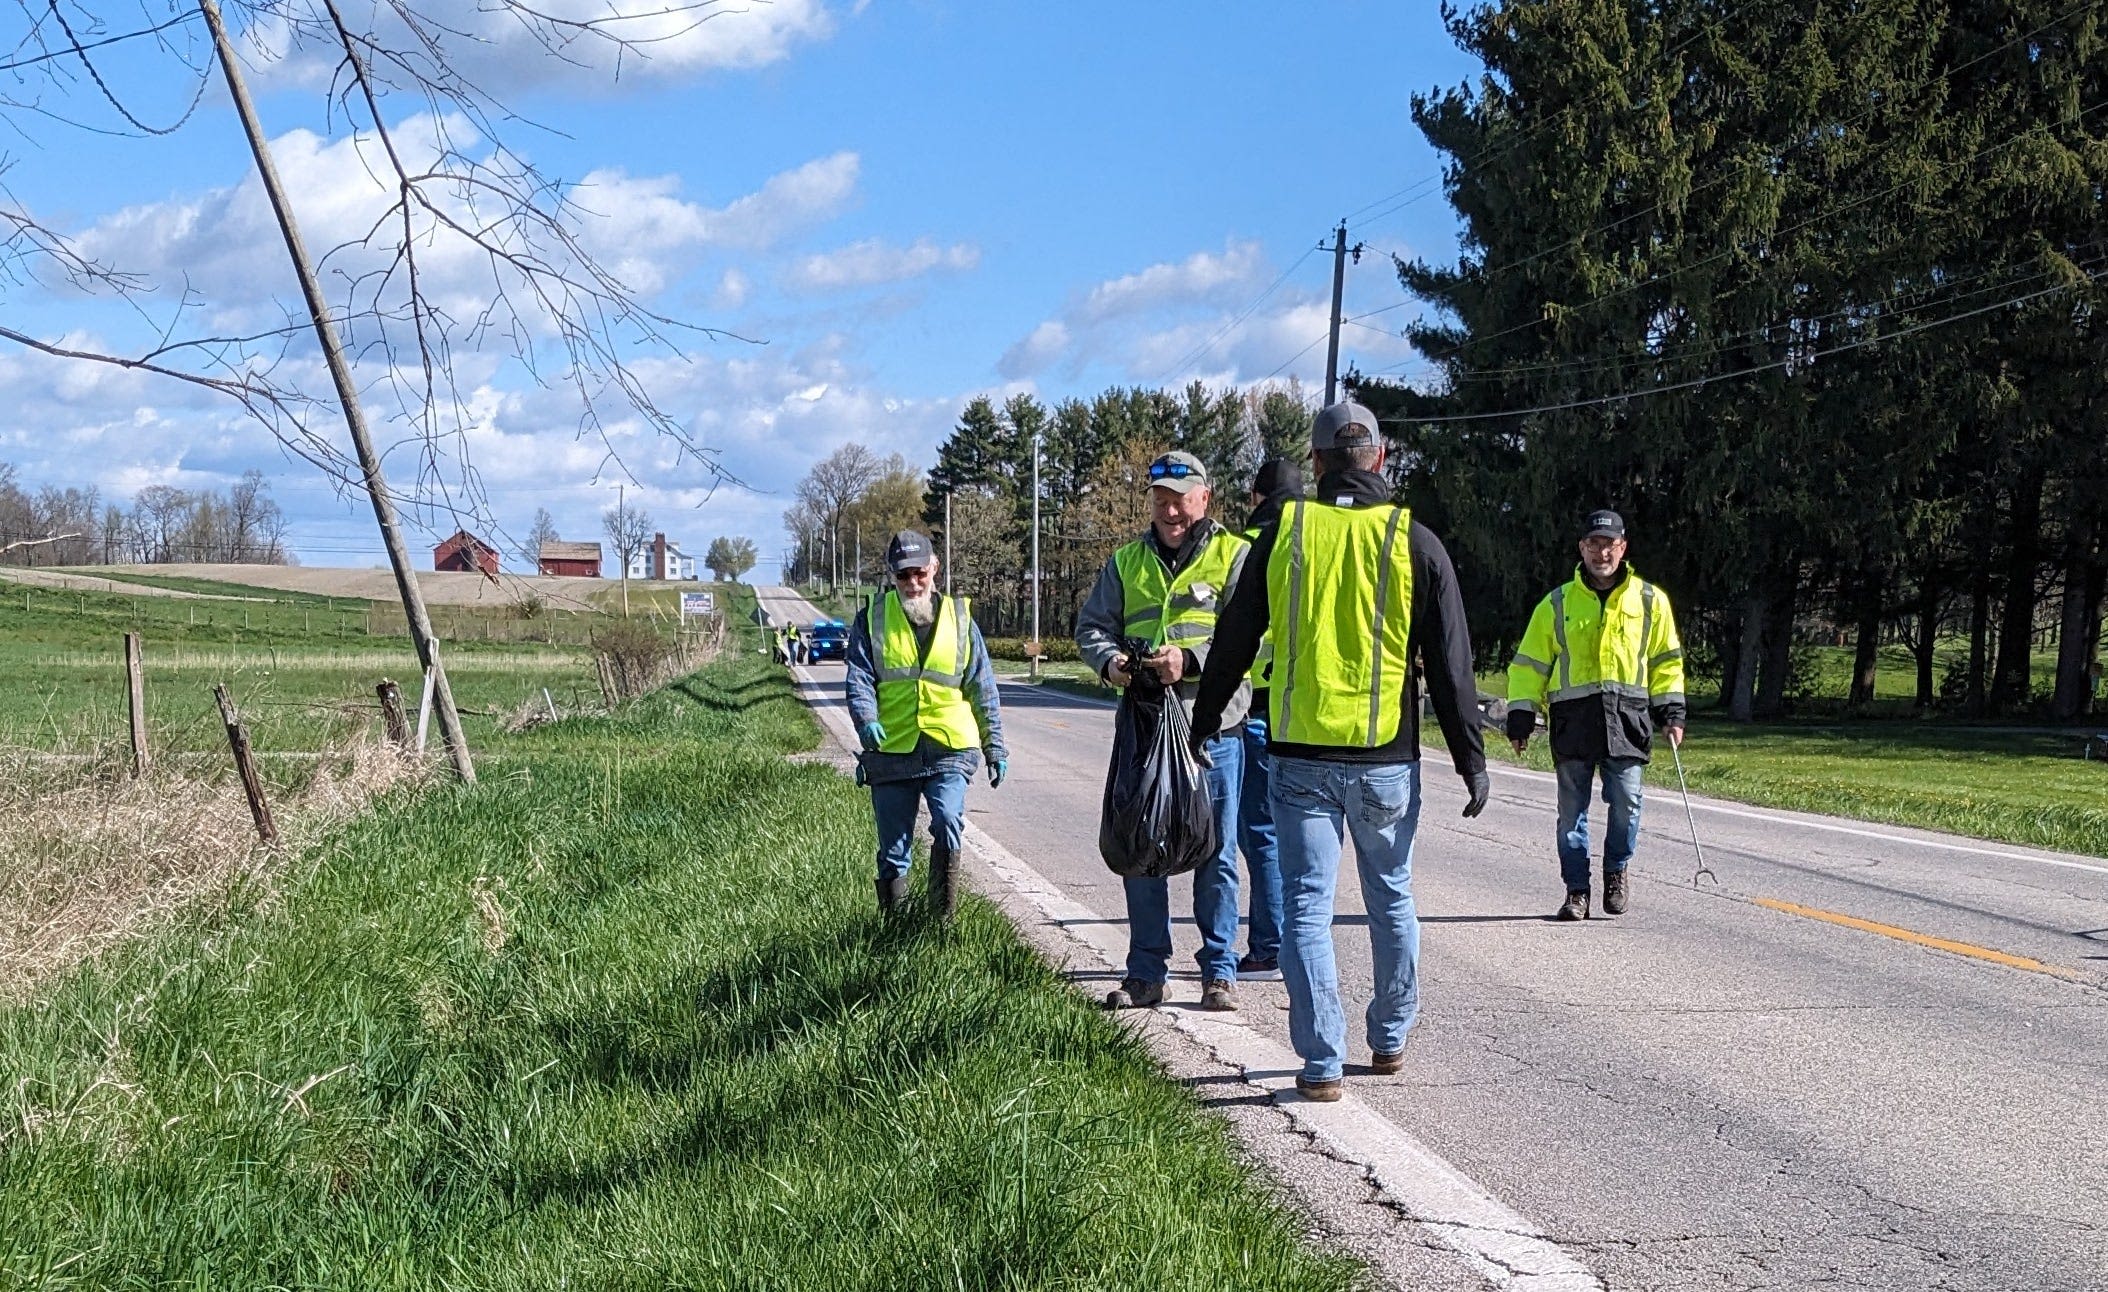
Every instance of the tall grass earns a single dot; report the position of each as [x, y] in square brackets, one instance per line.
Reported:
[623, 1017]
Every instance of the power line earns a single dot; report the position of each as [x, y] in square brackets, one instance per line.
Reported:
[1199, 352]
[1751, 371]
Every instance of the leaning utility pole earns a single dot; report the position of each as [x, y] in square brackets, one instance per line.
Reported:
[1339, 283]
[348, 398]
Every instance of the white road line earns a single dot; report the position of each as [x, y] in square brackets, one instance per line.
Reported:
[1777, 818]
[1501, 1245]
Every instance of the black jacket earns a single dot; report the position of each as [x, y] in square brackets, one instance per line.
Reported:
[1439, 638]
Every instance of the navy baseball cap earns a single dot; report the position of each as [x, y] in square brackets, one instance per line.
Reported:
[909, 551]
[1603, 524]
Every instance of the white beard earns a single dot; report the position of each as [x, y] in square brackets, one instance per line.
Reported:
[922, 610]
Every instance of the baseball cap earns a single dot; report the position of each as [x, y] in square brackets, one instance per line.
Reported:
[1276, 476]
[1344, 425]
[1178, 471]
[908, 551]
[1606, 523]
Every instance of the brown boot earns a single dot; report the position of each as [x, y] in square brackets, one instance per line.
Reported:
[1576, 907]
[1614, 892]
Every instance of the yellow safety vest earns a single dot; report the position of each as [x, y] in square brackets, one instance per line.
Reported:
[1339, 587]
[923, 695]
[1176, 610]
[1580, 644]
[1262, 663]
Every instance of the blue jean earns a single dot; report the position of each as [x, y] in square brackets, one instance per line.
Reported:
[895, 803]
[1255, 835]
[1315, 805]
[1214, 888]
[1621, 794]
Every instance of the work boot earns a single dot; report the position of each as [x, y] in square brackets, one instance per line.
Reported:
[1613, 892]
[1318, 1092]
[1252, 968]
[1218, 993]
[891, 893]
[944, 883]
[1576, 907]
[1133, 993]
[1385, 1063]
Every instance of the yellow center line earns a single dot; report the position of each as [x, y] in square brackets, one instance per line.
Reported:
[1971, 950]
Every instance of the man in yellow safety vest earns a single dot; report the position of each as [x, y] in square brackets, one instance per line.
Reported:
[923, 698]
[1164, 588]
[1277, 482]
[1350, 590]
[1602, 662]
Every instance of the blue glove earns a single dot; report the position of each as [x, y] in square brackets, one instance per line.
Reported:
[997, 770]
[873, 734]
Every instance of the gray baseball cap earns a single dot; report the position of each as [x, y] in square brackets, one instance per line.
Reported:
[1344, 425]
[909, 551]
[1604, 523]
[1178, 471]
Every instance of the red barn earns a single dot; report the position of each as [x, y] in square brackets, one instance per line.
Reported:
[467, 554]
[581, 560]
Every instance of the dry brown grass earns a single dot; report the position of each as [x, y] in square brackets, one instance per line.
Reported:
[90, 855]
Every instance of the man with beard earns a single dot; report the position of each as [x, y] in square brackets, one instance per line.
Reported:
[923, 698]
[1601, 659]
[1164, 589]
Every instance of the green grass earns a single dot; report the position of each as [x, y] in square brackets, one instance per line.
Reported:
[2020, 788]
[623, 1017]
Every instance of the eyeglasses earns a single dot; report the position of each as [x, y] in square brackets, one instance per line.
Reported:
[1175, 470]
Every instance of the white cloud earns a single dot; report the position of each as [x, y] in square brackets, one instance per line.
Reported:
[1037, 352]
[1201, 278]
[874, 261]
[733, 288]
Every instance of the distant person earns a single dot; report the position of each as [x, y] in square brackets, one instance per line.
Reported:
[1276, 482]
[1351, 590]
[1164, 590]
[923, 698]
[1602, 659]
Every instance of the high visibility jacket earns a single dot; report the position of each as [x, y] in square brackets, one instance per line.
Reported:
[1262, 663]
[1339, 589]
[922, 694]
[1178, 610]
[1588, 658]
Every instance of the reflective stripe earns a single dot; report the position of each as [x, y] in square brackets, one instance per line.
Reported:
[1536, 666]
[1295, 613]
[1188, 632]
[1522, 706]
[1669, 697]
[1597, 688]
[1566, 660]
[1145, 615]
[1666, 657]
[1383, 590]
[1646, 630]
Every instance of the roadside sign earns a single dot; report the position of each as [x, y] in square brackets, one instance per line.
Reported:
[698, 603]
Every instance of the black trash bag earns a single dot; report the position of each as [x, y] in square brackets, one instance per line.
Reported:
[1157, 818]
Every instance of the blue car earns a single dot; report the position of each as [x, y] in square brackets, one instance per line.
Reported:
[826, 639]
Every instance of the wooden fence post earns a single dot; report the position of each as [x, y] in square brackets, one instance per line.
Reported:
[607, 679]
[392, 713]
[135, 679]
[245, 763]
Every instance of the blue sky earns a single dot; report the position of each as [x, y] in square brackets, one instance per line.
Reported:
[902, 204]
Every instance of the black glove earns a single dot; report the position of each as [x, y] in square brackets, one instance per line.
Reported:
[1522, 724]
[1480, 787]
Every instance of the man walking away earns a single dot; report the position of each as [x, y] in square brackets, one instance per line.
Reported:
[1276, 482]
[1165, 589]
[923, 697]
[1351, 590]
[1602, 652]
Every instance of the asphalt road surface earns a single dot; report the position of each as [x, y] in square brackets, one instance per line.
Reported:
[1869, 1057]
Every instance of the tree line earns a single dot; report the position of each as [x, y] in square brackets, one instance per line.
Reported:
[1812, 294]
[164, 524]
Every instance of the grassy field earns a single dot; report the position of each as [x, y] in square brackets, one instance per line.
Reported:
[622, 1017]
[301, 667]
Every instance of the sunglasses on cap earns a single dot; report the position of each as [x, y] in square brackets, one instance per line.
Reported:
[1173, 470]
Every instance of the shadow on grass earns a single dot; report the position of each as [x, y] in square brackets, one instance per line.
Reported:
[733, 699]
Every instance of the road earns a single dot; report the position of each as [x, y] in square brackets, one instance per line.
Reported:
[1870, 1057]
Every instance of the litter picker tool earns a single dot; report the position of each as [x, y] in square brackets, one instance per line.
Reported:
[1704, 871]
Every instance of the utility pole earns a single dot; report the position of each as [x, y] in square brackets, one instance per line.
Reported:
[420, 623]
[857, 575]
[1036, 648]
[1339, 283]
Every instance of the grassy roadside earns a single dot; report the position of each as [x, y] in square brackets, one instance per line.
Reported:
[622, 1017]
